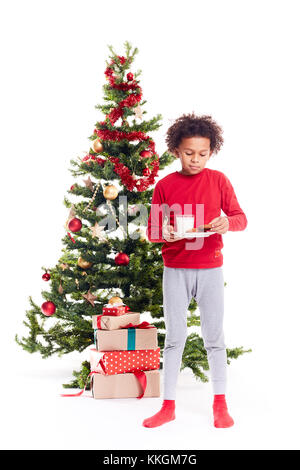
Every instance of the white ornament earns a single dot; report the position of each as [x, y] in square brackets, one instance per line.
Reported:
[138, 112]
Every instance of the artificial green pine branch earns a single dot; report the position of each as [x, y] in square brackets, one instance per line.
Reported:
[81, 377]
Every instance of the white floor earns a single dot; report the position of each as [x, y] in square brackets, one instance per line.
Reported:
[34, 415]
[256, 101]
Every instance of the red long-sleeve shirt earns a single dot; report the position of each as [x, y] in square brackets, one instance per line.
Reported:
[203, 195]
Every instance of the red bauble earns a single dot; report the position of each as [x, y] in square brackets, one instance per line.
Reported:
[75, 225]
[46, 277]
[129, 76]
[72, 187]
[146, 154]
[48, 308]
[121, 259]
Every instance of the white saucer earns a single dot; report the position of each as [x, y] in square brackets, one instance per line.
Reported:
[194, 234]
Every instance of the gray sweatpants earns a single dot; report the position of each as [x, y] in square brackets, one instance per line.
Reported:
[207, 287]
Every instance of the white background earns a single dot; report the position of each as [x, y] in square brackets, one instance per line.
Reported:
[237, 61]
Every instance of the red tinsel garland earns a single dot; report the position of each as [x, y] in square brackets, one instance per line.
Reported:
[142, 183]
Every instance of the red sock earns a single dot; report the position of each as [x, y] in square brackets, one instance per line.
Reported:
[222, 419]
[164, 415]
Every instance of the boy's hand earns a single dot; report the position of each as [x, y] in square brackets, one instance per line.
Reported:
[220, 225]
[168, 234]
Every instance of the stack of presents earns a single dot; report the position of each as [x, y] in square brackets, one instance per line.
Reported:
[126, 359]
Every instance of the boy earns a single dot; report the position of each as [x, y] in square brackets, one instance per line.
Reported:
[194, 270]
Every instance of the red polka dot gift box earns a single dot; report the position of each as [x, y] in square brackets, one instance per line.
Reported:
[121, 362]
[115, 310]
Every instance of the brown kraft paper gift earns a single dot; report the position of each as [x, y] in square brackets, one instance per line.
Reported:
[117, 340]
[109, 322]
[125, 385]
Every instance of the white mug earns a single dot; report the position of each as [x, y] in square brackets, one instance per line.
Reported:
[184, 223]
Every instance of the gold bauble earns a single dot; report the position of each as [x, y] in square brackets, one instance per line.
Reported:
[97, 146]
[83, 263]
[115, 300]
[110, 192]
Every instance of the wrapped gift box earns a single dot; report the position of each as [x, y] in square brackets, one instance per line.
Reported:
[120, 310]
[125, 385]
[122, 362]
[126, 339]
[109, 322]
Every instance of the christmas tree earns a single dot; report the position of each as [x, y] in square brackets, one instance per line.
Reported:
[105, 250]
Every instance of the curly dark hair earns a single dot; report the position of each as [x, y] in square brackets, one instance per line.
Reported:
[190, 125]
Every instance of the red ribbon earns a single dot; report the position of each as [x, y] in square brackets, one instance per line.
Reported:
[101, 363]
[71, 237]
[142, 378]
[81, 391]
[141, 326]
[139, 374]
[99, 321]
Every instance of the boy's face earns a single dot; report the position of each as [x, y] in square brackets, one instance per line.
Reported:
[194, 152]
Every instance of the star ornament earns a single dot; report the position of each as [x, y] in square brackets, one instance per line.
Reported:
[89, 183]
[71, 213]
[97, 231]
[90, 298]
